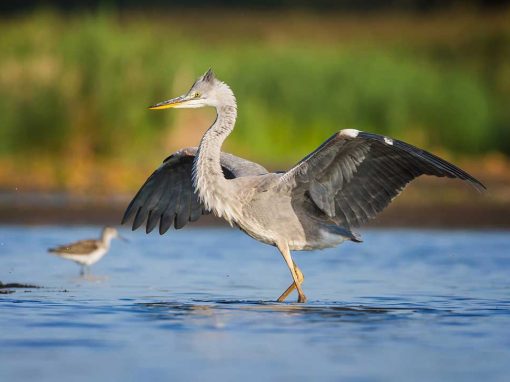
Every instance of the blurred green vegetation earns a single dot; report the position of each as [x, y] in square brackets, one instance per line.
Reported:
[77, 85]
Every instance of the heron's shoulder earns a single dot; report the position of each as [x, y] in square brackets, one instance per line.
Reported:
[260, 182]
[185, 153]
[235, 166]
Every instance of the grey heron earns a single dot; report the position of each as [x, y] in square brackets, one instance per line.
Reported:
[87, 252]
[316, 204]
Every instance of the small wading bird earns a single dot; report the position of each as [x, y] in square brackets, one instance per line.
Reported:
[87, 252]
[316, 204]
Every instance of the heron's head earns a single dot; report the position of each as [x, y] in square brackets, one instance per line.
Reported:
[206, 91]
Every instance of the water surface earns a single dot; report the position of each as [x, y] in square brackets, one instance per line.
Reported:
[198, 304]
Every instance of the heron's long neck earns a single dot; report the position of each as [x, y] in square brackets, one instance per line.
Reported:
[209, 180]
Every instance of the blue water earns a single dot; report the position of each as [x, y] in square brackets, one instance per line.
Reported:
[197, 304]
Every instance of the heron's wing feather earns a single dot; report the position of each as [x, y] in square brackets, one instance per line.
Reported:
[354, 175]
[168, 197]
[82, 247]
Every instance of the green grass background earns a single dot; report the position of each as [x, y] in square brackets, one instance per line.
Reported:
[78, 85]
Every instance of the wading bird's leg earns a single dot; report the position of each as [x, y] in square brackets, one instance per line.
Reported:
[292, 286]
[284, 250]
[82, 270]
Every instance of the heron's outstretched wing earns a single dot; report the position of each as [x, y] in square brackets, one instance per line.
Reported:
[354, 175]
[168, 195]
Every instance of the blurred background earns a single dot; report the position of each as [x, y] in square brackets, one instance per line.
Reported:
[76, 77]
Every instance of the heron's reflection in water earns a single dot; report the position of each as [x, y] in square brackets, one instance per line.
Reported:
[263, 315]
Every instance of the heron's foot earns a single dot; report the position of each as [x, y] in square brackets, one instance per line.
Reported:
[301, 299]
[292, 286]
[286, 293]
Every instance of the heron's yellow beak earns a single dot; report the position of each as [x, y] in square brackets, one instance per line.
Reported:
[174, 102]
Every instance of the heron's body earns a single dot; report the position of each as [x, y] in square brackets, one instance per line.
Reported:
[282, 224]
[86, 252]
[316, 204]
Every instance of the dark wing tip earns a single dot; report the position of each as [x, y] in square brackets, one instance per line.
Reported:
[152, 221]
[165, 223]
[134, 206]
[448, 168]
[127, 215]
[479, 186]
[140, 217]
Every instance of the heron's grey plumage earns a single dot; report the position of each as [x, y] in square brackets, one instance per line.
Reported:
[160, 200]
[316, 204]
[355, 175]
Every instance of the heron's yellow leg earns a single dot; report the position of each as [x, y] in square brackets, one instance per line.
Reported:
[292, 286]
[284, 250]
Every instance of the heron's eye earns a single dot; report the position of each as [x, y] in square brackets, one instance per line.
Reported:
[196, 95]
